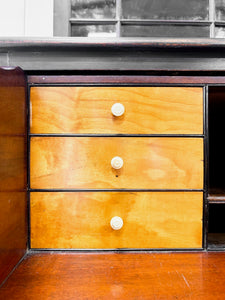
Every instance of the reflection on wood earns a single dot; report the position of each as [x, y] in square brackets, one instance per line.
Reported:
[85, 163]
[166, 276]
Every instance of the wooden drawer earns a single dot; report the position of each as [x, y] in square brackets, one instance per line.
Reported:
[148, 110]
[85, 163]
[150, 220]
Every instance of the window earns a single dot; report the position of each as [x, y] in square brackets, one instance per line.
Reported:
[142, 18]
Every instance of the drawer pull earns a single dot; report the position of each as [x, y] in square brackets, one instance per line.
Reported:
[118, 109]
[117, 162]
[116, 223]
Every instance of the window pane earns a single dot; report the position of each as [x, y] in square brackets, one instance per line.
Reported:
[94, 30]
[220, 10]
[165, 9]
[220, 32]
[164, 31]
[93, 9]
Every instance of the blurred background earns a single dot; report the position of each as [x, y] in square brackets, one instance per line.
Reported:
[113, 18]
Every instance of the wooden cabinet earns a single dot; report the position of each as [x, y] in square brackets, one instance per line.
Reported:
[118, 147]
[77, 132]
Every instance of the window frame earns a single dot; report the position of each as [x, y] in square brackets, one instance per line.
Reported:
[63, 21]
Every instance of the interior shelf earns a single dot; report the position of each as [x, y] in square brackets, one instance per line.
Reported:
[216, 196]
[216, 241]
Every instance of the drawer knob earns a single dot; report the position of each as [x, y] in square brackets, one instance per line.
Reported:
[117, 162]
[118, 109]
[116, 223]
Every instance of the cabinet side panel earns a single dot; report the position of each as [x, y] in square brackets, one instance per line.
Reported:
[13, 169]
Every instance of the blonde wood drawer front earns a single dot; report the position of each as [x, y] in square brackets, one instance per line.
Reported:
[150, 220]
[148, 110]
[85, 163]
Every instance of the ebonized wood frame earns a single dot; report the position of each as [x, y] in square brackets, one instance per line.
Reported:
[123, 54]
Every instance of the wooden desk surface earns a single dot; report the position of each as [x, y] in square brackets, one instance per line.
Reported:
[118, 276]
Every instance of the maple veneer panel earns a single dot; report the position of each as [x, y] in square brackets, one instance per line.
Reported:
[148, 110]
[85, 163]
[82, 220]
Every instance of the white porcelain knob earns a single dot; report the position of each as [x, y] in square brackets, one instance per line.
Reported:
[116, 223]
[118, 109]
[117, 162]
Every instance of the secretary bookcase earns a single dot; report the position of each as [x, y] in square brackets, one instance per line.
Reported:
[110, 162]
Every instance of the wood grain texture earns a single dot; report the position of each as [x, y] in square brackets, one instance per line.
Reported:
[148, 110]
[164, 276]
[82, 220]
[13, 169]
[13, 172]
[85, 163]
[13, 230]
[12, 102]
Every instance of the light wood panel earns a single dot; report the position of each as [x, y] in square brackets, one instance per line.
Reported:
[148, 110]
[149, 163]
[146, 276]
[82, 220]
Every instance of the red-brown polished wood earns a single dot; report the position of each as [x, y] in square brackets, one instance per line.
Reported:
[12, 101]
[194, 276]
[13, 170]
[118, 79]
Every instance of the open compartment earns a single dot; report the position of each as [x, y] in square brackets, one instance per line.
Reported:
[216, 142]
[216, 231]
[216, 183]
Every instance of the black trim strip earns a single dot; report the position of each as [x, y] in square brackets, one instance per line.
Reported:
[112, 190]
[206, 175]
[28, 168]
[117, 250]
[116, 135]
[116, 84]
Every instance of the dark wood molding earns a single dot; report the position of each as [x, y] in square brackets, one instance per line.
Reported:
[125, 79]
[82, 54]
[65, 42]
